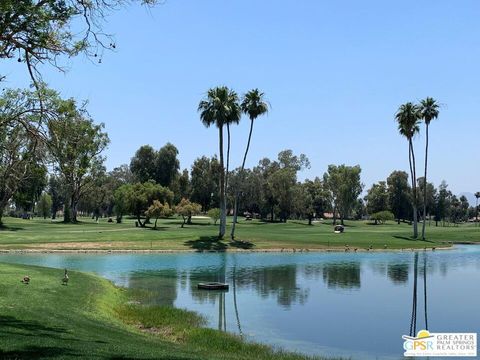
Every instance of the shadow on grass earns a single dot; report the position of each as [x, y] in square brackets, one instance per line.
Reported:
[158, 228]
[241, 244]
[38, 352]
[10, 228]
[206, 243]
[412, 239]
[408, 238]
[11, 326]
[301, 223]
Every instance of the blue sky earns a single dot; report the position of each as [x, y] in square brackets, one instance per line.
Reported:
[334, 72]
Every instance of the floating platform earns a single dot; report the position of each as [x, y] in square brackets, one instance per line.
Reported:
[213, 286]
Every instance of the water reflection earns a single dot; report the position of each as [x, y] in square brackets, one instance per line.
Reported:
[343, 275]
[306, 302]
[413, 320]
[398, 273]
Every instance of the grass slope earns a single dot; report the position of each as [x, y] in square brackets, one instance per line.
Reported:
[44, 234]
[91, 319]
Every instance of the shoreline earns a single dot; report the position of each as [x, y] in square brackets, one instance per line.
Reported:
[180, 251]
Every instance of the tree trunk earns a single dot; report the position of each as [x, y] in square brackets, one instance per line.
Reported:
[310, 220]
[223, 206]
[476, 212]
[189, 220]
[235, 204]
[271, 214]
[411, 159]
[155, 226]
[425, 185]
[142, 224]
[228, 157]
[335, 215]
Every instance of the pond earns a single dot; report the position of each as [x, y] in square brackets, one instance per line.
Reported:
[354, 305]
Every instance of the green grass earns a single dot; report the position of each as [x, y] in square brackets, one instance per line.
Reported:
[47, 235]
[92, 319]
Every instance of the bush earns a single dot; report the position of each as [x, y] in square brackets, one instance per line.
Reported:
[214, 214]
[382, 217]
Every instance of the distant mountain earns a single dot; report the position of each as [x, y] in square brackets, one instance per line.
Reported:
[470, 197]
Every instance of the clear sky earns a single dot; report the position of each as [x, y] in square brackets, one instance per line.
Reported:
[334, 72]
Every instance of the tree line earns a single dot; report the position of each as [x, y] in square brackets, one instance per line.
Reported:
[53, 164]
[51, 149]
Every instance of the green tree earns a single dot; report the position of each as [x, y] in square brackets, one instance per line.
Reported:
[428, 195]
[254, 105]
[167, 165]
[399, 193]
[56, 190]
[32, 186]
[214, 214]
[154, 211]
[281, 184]
[187, 209]
[143, 164]
[310, 199]
[408, 118]
[22, 136]
[219, 108]
[181, 186]
[442, 203]
[44, 205]
[122, 196]
[123, 174]
[343, 183]
[382, 216]
[139, 196]
[429, 110]
[205, 176]
[76, 144]
[377, 198]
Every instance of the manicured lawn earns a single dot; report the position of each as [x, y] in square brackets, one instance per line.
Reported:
[91, 319]
[47, 235]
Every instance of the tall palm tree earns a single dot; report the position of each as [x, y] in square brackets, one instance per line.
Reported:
[215, 109]
[428, 111]
[233, 117]
[408, 118]
[254, 105]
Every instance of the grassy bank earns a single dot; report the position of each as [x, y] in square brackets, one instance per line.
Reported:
[92, 319]
[201, 235]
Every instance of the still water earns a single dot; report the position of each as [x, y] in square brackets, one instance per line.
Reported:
[354, 305]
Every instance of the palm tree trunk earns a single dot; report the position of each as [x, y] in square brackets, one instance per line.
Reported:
[425, 289]
[411, 159]
[413, 320]
[228, 156]
[235, 206]
[223, 209]
[425, 185]
[235, 305]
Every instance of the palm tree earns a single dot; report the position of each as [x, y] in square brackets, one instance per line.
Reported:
[253, 105]
[477, 196]
[233, 117]
[408, 118]
[428, 112]
[216, 109]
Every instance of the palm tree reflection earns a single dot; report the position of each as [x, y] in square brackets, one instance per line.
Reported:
[413, 319]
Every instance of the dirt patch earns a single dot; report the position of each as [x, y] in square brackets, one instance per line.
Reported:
[165, 332]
